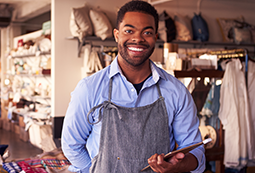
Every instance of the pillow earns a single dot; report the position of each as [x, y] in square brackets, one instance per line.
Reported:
[242, 35]
[183, 28]
[80, 23]
[225, 27]
[166, 27]
[101, 24]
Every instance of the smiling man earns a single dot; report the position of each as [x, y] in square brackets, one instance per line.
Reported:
[131, 113]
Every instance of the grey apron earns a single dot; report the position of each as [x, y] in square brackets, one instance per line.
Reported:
[129, 136]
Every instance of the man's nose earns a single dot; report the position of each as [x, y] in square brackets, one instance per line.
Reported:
[138, 38]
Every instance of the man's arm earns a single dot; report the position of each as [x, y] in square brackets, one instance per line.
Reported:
[76, 130]
[184, 128]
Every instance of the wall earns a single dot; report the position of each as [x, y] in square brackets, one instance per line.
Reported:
[66, 73]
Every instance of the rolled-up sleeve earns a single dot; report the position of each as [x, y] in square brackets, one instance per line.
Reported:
[186, 128]
[75, 131]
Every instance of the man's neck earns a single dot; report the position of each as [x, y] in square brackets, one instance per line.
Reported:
[138, 74]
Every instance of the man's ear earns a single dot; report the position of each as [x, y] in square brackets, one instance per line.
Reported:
[156, 37]
[116, 34]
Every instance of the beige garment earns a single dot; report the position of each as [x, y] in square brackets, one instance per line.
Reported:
[91, 62]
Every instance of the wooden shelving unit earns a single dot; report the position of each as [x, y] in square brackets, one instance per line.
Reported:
[202, 73]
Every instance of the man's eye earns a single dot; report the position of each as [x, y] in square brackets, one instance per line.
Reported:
[148, 33]
[128, 31]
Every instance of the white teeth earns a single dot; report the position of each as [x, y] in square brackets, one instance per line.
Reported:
[135, 49]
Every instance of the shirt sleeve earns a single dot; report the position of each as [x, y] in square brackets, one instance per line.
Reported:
[76, 129]
[186, 128]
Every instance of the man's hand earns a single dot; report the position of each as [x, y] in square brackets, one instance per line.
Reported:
[178, 163]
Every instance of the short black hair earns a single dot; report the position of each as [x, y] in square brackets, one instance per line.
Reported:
[137, 6]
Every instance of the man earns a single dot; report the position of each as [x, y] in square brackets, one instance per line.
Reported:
[131, 113]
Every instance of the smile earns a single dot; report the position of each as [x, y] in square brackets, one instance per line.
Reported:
[136, 49]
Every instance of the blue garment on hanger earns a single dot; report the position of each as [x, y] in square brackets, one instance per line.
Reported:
[212, 105]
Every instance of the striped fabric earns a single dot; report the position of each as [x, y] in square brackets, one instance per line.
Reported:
[28, 169]
[34, 163]
[11, 167]
[55, 164]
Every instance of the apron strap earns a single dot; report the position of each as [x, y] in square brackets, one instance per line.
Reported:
[104, 105]
[159, 91]
[110, 90]
[99, 115]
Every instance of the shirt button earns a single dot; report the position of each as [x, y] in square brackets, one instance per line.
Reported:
[132, 89]
[118, 158]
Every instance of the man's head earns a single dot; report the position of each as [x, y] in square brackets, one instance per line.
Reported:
[136, 33]
[137, 6]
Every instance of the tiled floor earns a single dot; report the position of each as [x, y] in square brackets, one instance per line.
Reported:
[18, 149]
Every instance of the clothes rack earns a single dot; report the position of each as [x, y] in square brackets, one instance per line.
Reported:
[217, 152]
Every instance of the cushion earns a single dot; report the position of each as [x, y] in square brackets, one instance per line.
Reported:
[101, 24]
[80, 23]
[166, 27]
[183, 28]
[225, 26]
[253, 35]
[242, 35]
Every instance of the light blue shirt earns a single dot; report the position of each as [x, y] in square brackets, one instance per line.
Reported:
[80, 140]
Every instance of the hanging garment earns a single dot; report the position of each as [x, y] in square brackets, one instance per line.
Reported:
[251, 94]
[91, 62]
[212, 105]
[123, 128]
[235, 116]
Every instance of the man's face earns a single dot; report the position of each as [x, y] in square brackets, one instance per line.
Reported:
[136, 38]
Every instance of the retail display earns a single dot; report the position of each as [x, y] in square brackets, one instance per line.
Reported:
[48, 162]
[29, 89]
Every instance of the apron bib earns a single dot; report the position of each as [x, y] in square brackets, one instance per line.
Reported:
[129, 136]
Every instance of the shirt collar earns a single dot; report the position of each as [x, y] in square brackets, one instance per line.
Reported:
[156, 71]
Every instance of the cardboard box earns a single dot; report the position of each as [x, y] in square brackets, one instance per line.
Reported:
[13, 123]
[23, 135]
[16, 129]
[21, 121]
[7, 125]
[4, 110]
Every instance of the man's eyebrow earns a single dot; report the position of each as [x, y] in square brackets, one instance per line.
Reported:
[147, 27]
[128, 25]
